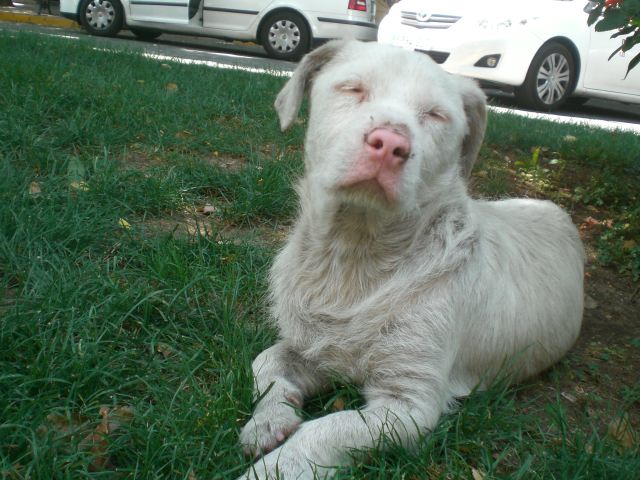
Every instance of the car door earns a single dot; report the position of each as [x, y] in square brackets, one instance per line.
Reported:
[236, 15]
[165, 11]
[609, 75]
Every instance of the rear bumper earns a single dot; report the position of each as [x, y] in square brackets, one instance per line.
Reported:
[325, 28]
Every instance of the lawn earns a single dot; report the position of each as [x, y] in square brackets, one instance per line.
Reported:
[141, 204]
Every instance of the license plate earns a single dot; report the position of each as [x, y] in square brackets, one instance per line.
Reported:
[409, 41]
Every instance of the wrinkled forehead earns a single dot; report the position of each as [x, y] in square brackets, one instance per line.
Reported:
[384, 68]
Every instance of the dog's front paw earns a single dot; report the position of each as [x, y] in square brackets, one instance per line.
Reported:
[266, 430]
[281, 464]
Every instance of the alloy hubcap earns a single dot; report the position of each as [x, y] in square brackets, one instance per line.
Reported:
[100, 14]
[284, 36]
[553, 78]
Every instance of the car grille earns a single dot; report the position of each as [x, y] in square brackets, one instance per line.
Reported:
[418, 20]
[438, 57]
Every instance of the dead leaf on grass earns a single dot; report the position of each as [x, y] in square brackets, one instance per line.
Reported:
[172, 87]
[338, 404]
[124, 224]
[165, 350]
[477, 474]
[589, 302]
[97, 441]
[621, 431]
[63, 425]
[206, 209]
[34, 189]
[94, 438]
[79, 185]
[184, 134]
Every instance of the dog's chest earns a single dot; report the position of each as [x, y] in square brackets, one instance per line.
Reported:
[333, 314]
[337, 344]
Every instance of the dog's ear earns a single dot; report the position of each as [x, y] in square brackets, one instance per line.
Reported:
[289, 99]
[475, 109]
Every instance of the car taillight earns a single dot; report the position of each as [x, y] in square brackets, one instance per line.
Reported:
[360, 5]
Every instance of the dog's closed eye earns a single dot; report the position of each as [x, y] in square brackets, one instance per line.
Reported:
[354, 88]
[430, 114]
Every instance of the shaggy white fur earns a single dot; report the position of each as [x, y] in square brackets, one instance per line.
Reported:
[415, 291]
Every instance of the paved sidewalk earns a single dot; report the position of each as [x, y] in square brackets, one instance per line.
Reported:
[26, 11]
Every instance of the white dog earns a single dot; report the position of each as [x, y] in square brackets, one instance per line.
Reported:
[393, 277]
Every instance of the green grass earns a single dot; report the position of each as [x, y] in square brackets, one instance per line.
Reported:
[96, 312]
[590, 172]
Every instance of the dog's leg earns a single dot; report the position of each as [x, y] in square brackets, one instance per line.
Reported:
[328, 441]
[282, 382]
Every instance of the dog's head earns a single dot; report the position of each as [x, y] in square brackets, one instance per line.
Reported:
[386, 125]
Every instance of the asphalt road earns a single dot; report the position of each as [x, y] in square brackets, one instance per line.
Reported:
[220, 54]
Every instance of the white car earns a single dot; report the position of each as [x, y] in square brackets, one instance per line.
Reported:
[541, 50]
[285, 28]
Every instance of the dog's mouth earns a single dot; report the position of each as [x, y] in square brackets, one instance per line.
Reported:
[368, 190]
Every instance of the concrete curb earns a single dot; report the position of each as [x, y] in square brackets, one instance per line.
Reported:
[46, 20]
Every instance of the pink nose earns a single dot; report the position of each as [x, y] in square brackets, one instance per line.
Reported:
[388, 146]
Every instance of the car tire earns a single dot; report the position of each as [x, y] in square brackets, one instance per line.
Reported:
[285, 35]
[145, 34]
[103, 18]
[550, 78]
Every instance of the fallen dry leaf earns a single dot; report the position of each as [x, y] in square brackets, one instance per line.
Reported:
[172, 87]
[164, 349]
[590, 222]
[97, 441]
[79, 185]
[34, 189]
[338, 404]
[124, 224]
[63, 425]
[206, 209]
[477, 474]
[68, 428]
[589, 302]
[621, 431]
[184, 134]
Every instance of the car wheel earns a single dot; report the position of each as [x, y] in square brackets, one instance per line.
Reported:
[550, 79]
[145, 34]
[101, 17]
[285, 35]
